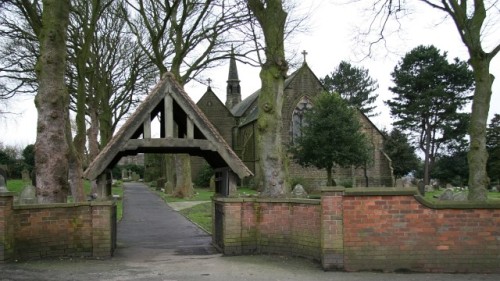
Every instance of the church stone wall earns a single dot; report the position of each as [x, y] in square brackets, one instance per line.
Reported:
[221, 118]
[305, 84]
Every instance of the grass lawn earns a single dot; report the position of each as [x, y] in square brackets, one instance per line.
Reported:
[201, 214]
[18, 185]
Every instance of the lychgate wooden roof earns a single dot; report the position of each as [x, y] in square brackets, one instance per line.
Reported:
[195, 134]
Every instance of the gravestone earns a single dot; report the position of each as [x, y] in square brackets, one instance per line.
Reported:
[3, 184]
[399, 183]
[129, 174]
[124, 174]
[299, 191]
[212, 183]
[25, 176]
[429, 188]
[494, 189]
[447, 195]
[461, 196]
[421, 187]
[449, 186]
[28, 195]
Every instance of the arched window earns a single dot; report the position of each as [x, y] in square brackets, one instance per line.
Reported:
[298, 120]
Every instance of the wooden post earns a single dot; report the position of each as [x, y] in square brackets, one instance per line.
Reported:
[169, 114]
[190, 128]
[147, 128]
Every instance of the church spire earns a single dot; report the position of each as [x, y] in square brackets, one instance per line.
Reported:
[233, 90]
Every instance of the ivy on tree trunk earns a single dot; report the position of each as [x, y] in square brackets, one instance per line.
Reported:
[271, 173]
[51, 147]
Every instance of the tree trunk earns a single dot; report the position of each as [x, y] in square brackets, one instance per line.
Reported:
[478, 156]
[271, 174]
[92, 136]
[184, 187]
[51, 147]
[427, 155]
[329, 178]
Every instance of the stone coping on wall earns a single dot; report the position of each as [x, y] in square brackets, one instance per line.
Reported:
[63, 205]
[391, 191]
[457, 204]
[267, 200]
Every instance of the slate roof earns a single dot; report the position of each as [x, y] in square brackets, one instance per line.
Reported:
[132, 128]
[248, 110]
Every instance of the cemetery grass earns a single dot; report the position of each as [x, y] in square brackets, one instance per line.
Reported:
[17, 185]
[200, 214]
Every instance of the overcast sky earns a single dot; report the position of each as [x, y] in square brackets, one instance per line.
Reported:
[332, 27]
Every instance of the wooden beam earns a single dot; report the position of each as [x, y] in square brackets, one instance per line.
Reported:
[134, 144]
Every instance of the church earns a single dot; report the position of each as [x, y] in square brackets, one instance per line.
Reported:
[236, 122]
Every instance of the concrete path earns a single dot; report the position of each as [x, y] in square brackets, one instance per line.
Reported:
[156, 243]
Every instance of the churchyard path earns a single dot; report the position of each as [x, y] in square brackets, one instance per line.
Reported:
[157, 243]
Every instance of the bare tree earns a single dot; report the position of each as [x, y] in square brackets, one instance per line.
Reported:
[473, 21]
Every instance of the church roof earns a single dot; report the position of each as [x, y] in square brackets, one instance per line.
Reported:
[207, 141]
[247, 109]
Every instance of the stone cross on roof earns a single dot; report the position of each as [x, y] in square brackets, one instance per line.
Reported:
[304, 53]
[209, 82]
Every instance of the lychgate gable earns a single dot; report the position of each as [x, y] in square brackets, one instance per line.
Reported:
[184, 129]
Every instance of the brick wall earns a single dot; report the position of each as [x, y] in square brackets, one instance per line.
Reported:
[265, 226]
[393, 232]
[383, 229]
[53, 230]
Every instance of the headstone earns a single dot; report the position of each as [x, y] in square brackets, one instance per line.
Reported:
[124, 174]
[3, 185]
[461, 196]
[421, 187]
[129, 174]
[399, 183]
[494, 189]
[28, 195]
[449, 186]
[135, 176]
[299, 191]
[25, 175]
[212, 183]
[447, 195]
[429, 188]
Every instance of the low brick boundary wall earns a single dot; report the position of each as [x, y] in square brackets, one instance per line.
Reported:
[54, 230]
[270, 226]
[365, 229]
[394, 230]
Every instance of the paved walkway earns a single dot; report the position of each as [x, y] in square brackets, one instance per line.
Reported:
[156, 243]
[150, 228]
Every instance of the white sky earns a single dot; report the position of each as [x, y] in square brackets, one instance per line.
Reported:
[328, 41]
